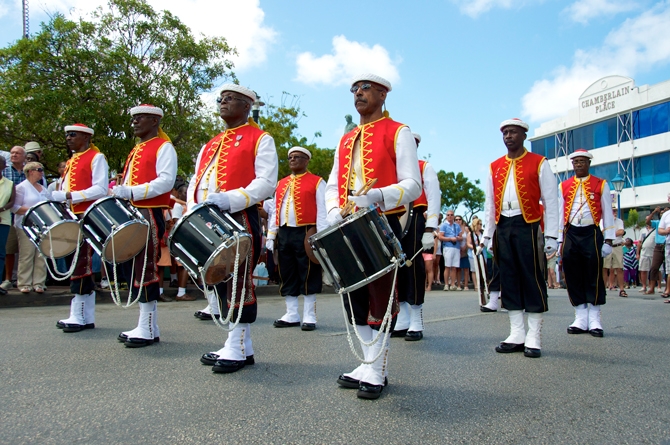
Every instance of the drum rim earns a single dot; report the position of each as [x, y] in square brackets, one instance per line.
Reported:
[185, 216]
[122, 226]
[348, 220]
[98, 201]
[367, 280]
[219, 249]
[41, 203]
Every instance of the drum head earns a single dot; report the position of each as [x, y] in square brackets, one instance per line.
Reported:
[222, 262]
[129, 239]
[62, 238]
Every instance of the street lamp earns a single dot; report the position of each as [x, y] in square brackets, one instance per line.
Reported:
[256, 109]
[618, 183]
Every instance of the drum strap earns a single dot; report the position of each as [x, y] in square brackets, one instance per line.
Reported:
[55, 273]
[225, 324]
[116, 295]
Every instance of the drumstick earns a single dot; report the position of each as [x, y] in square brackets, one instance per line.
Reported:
[364, 190]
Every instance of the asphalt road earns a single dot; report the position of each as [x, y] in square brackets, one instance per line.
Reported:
[451, 387]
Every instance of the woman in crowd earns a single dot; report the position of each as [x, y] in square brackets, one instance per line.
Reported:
[7, 195]
[476, 233]
[465, 262]
[32, 272]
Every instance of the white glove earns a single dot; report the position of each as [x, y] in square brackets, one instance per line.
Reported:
[485, 244]
[428, 240]
[373, 196]
[270, 245]
[606, 250]
[122, 191]
[59, 196]
[550, 246]
[333, 217]
[219, 199]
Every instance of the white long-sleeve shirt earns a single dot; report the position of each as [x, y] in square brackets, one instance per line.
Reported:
[97, 190]
[406, 190]
[288, 208]
[548, 193]
[262, 186]
[431, 186]
[580, 213]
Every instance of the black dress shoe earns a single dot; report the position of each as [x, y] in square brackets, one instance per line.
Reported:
[164, 298]
[485, 309]
[596, 332]
[285, 324]
[413, 336]
[576, 330]
[509, 347]
[204, 315]
[532, 352]
[123, 337]
[174, 284]
[399, 333]
[139, 342]
[3, 291]
[348, 382]
[369, 391]
[210, 359]
[61, 325]
[228, 366]
[308, 326]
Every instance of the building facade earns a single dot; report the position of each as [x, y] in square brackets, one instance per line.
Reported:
[627, 129]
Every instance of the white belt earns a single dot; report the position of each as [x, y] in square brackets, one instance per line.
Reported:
[510, 205]
[583, 222]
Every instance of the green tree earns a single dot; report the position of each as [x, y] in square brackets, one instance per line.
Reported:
[633, 219]
[458, 190]
[93, 71]
[281, 122]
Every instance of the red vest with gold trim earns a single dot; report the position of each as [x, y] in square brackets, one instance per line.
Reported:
[377, 156]
[237, 148]
[527, 173]
[79, 170]
[140, 169]
[303, 190]
[421, 200]
[592, 189]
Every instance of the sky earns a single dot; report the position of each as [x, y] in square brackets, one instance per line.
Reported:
[458, 67]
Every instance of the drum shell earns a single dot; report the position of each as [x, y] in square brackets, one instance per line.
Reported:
[204, 238]
[115, 229]
[51, 225]
[375, 248]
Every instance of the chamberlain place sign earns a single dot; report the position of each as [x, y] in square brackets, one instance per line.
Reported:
[605, 96]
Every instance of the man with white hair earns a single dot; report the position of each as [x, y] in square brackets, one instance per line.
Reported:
[147, 180]
[83, 182]
[252, 157]
[382, 149]
[300, 206]
[585, 200]
[516, 184]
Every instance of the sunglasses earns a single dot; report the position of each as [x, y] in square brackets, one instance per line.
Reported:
[366, 86]
[72, 134]
[37, 170]
[226, 99]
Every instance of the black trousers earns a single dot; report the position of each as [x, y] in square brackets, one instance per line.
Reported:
[370, 302]
[494, 282]
[250, 219]
[150, 291]
[412, 279]
[583, 264]
[297, 274]
[519, 253]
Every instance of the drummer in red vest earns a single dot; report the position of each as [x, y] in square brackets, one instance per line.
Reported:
[236, 170]
[83, 181]
[419, 236]
[300, 205]
[378, 148]
[147, 180]
[516, 184]
[584, 200]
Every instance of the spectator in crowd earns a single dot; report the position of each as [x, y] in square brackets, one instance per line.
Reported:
[630, 263]
[7, 195]
[613, 264]
[645, 253]
[474, 239]
[429, 258]
[55, 183]
[438, 262]
[659, 248]
[450, 235]
[664, 231]
[14, 173]
[32, 272]
[464, 264]
[177, 213]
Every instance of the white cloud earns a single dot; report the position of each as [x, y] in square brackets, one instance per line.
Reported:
[639, 44]
[474, 8]
[582, 11]
[347, 60]
[240, 22]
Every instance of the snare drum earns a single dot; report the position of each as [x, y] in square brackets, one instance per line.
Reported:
[115, 229]
[53, 228]
[357, 250]
[205, 238]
